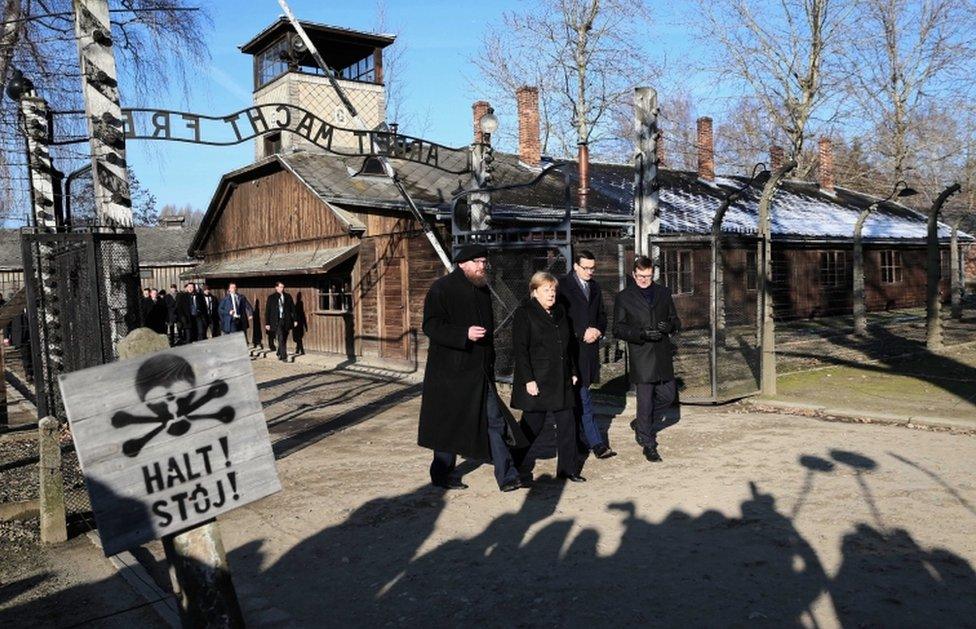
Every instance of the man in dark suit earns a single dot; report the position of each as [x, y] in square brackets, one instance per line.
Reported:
[212, 317]
[644, 315]
[190, 309]
[157, 314]
[279, 317]
[234, 310]
[172, 315]
[583, 300]
[145, 305]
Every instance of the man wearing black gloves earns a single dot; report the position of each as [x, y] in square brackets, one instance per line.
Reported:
[644, 315]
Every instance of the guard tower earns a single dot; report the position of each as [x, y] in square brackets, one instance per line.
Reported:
[285, 72]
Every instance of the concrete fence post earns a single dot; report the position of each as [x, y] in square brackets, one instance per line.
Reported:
[54, 527]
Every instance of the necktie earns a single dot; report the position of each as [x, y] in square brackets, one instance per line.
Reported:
[281, 308]
[586, 289]
[233, 300]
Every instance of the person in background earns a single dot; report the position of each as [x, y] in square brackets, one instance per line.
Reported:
[301, 325]
[172, 316]
[279, 318]
[211, 316]
[542, 343]
[158, 313]
[644, 315]
[583, 299]
[190, 308]
[235, 313]
[145, 306]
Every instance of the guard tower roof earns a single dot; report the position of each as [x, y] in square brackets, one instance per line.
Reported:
[327, 38]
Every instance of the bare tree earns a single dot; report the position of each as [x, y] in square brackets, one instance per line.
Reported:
[585, 56]
[909, 56]
[156, 43]
[785, 55]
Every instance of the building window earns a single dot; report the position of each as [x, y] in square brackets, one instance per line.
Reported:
[146, 274]
[362, 71]
[676, 271]
[335, 295]
[752, 270]
[891, 267]
[271, 63]
[945, 268]
[272, 143]
[833, 268]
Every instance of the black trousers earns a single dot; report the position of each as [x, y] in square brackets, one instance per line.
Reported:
[281, 334]
[652, 400]
[501, 457]
[569, 458]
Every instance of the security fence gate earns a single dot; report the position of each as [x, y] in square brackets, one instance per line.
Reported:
[93, 280]
[717, 350]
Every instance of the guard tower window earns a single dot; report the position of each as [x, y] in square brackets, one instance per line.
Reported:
[271, 63]
[363, 71]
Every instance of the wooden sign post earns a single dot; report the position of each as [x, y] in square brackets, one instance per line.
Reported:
[167, 442]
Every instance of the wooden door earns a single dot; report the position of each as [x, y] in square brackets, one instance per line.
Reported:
[394, 313]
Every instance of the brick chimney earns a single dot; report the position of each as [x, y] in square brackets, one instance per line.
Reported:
[825, 170]
[659, 149]
[706, 150]
[777, 156]
[530, 150]
[172, 221]
[479, 109]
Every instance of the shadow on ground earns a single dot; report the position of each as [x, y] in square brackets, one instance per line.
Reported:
[537, 566]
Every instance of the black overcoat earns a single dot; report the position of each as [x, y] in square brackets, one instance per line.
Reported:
[271, 311]
[184, 309]
[542, 346]
[458, 372]
[584, 313]
[650, 361]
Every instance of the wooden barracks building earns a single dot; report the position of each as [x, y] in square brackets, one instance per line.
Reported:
[342, 240]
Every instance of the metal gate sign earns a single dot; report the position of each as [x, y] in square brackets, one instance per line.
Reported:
[169, 440]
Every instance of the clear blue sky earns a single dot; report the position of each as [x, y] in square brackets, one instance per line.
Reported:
[440, 36]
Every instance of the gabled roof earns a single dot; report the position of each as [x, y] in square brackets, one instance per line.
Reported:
[158, 246]
[263, 167]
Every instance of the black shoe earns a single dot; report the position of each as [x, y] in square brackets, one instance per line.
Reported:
[651, 454]
[573, 478]
[448, 483]
[603, 452]
[512, 485]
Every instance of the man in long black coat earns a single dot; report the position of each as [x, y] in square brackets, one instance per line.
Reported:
[190, 310]
[460, 412]
[644, 315]
[279, 318]
[583, 299]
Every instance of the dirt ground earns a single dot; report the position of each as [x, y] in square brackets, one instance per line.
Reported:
[752, 519]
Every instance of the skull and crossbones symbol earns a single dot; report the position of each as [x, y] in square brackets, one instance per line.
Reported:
[156, 380]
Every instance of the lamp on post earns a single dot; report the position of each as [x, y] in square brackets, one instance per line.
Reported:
[482, 155]
[900, 190]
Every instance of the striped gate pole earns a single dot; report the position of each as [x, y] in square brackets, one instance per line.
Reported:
[35, 117]
[113, 202]
[118, 298]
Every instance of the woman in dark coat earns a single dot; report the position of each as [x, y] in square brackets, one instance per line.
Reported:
[542, 340]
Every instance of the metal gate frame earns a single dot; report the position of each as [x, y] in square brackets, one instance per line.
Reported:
[719, 388]
[94, 280]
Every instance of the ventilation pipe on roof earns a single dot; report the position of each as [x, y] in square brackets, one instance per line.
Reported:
[706, 149]
[479, 109]
[530, 148]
